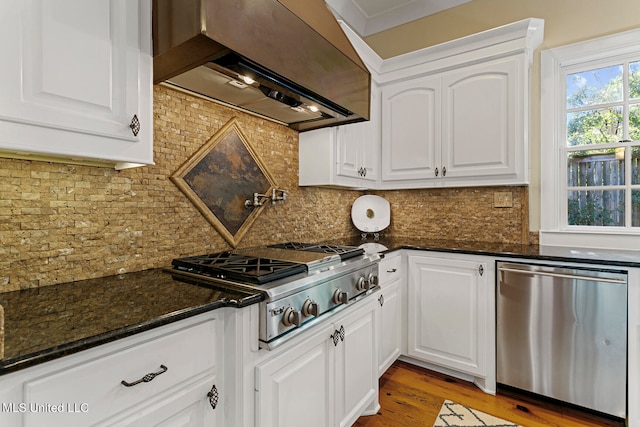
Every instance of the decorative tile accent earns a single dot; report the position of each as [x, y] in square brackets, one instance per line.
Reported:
[220, 176]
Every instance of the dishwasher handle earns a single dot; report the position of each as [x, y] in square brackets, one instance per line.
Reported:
[566, 276]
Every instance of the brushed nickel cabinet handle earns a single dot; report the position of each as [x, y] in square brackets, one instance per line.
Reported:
[147, 378]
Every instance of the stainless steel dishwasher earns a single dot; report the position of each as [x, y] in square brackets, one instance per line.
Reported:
[562, 333]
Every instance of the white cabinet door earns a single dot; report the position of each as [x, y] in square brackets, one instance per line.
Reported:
[390, 337]
[296, 387]
[389, 309]
[356, 365]
[345, 156]
[482, 122]
[447, 312]
[411, 129]
[187, 407]
[75, 74]
[327, 379]
[359, 146]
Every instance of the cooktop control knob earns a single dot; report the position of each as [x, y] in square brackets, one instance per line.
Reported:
[340, 297]
[291, 317]
[362, 284]
[310, 308]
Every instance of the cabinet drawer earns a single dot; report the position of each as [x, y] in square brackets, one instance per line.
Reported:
[91, 391]
[389, 269]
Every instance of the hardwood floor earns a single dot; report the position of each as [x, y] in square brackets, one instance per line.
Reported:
[411, 396]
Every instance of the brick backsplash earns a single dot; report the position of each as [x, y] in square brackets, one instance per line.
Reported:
[60, 222]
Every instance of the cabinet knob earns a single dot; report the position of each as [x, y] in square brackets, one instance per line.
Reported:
[444, 171]
[135, 125]
[213, 397]
[381, 300]
[436, 171]
[338, 335]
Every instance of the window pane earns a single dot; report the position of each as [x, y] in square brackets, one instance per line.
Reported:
[594, 87]
[634, 122]
[634, 79]
[594, 126]
[635, 208]
[599, 208]
[592, 168]
[635, 165]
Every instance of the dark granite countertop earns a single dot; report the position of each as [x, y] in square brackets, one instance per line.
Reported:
[45, 323]
[547, 253]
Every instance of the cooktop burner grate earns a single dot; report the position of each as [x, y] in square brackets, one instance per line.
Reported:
[239, 267]
[345, 252]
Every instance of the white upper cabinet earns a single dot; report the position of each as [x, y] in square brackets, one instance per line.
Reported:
[76, 81]
[411, 130]
[482, 123]
[462, 127]
[343, 156]
[358, 146]
[455, 114]
[348, 155]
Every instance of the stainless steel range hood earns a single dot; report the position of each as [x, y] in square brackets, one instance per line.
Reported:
[287, 60]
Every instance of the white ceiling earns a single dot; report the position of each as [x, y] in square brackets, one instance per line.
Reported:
[368, 17]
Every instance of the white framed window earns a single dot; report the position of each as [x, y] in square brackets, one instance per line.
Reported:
[590, 143]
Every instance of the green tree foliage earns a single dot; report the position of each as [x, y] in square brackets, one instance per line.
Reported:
[602, 124]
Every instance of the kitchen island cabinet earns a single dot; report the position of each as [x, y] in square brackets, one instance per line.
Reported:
[451, 314]
[168, 372]
[76, 82]
[328, 379]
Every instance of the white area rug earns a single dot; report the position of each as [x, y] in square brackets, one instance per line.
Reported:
[456, 415]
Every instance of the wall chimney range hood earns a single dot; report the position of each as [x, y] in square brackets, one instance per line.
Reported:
[287, 60]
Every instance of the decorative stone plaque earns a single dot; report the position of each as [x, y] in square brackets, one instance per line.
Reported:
[220, 176]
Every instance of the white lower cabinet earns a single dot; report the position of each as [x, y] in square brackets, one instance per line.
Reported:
[450, 307]
[185, 407]
[389, 320]
[327, 379]
[170, 370]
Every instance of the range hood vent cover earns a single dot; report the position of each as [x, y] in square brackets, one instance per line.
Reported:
[286, 60]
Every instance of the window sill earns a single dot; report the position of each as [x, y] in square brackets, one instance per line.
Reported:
[591, 239]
